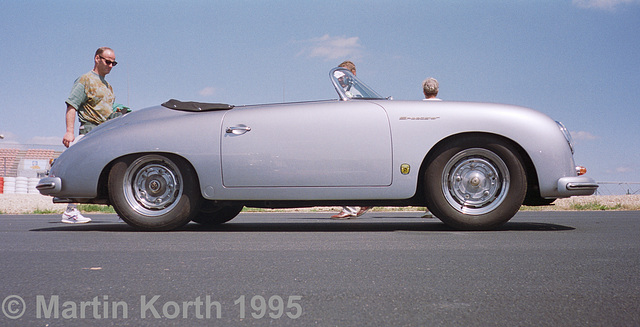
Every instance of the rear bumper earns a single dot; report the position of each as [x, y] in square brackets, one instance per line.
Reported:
[49, 186]
[52, 186]
[580, 185]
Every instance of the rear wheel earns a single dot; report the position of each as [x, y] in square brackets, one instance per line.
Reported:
[154, 192]
[211, 214]
[475, 183]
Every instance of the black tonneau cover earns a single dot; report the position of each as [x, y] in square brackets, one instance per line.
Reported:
[195, 106]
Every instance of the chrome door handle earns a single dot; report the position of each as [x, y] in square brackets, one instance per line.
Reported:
[238, 130]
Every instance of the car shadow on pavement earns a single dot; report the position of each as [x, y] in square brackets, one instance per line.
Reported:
[306, 224]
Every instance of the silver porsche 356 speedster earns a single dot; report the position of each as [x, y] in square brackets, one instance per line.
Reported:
[472, 164]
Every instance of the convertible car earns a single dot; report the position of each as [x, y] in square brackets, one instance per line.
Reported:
[471, 164]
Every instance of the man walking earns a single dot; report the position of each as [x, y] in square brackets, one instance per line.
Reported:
[93, 100]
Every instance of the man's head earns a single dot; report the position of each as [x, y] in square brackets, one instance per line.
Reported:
[430, 88]
[348, 65]
[104, 60]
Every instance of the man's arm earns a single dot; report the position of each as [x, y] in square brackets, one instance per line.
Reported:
[70, 119]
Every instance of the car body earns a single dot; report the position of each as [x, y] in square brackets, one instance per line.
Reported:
[472, 164]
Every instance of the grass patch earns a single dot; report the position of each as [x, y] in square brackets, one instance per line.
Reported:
[96, 208]
[304, 209]
[594, 206]
[45, 211]
[332, 209]
[586, 206]
[250, 209]
[91, 208]
[532, 208]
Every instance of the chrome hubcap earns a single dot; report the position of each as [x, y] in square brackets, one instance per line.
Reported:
[475, 181]
[152, 185]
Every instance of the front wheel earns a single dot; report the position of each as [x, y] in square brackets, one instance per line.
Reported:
[475, 183]
[154, 192]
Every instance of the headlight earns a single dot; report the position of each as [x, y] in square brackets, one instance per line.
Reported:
[566, 134]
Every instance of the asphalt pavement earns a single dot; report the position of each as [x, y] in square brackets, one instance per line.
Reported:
[303, 269]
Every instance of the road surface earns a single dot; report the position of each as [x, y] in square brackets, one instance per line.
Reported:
[303, 269]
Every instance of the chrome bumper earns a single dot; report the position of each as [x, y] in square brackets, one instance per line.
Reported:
[49, 185]
[570, 186]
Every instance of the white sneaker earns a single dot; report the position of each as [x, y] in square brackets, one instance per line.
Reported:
[74, 217]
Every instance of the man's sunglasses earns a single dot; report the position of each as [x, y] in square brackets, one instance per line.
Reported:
[108, 62]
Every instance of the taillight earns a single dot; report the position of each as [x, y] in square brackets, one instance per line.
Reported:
[581, 170]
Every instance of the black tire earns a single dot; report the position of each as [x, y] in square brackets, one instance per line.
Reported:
[211, 214]
[154, 191]
[538, 201]
[475, 183]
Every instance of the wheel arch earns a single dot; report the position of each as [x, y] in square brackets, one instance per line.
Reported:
[533, 189]
[103, 181]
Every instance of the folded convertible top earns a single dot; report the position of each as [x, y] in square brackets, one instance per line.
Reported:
[195, 106]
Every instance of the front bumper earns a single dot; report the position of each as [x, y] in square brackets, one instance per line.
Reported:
[580, 185]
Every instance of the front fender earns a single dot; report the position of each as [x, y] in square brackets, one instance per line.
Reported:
[422, 125]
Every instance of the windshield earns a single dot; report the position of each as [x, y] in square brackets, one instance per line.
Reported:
[350, 87]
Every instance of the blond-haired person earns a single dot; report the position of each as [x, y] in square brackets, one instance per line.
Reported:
[350, 212]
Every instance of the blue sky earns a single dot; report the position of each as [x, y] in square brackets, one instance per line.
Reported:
[577, 61]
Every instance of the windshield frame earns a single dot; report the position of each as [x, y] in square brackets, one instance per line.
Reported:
[338, 76]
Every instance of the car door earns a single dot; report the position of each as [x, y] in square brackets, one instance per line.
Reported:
[319, 144]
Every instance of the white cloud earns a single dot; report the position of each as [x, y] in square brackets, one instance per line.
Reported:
[45, 140]
[583, 136]
[10, 139]
[621, 173]
[602, 4]
[7, 136]
[624, 170]
[333, 47]
[208, 91]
